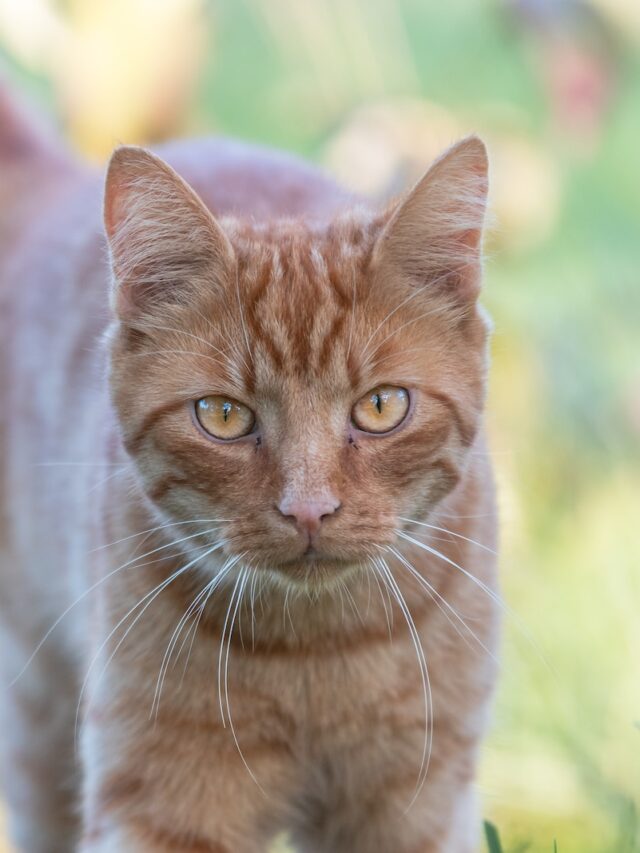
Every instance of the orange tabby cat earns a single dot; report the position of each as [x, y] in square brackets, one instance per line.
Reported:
[250, 489]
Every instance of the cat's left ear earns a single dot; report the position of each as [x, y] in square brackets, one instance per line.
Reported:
[166, 246]
[433, 238]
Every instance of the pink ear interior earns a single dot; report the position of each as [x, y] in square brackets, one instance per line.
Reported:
[113, 197]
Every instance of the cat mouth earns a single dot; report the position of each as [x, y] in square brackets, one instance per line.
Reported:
[313, 565]
[313, 561]
[312, 553]
[312, 558]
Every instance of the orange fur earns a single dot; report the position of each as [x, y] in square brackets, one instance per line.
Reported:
[293, 698]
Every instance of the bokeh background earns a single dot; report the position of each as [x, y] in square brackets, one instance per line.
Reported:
[372, 90]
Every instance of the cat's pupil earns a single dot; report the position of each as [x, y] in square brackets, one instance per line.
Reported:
[377, 402]
[226, 411]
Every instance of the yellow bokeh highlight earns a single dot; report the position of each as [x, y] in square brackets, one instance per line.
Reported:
[122, 70]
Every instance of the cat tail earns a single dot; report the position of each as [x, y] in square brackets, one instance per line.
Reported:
[24, 138]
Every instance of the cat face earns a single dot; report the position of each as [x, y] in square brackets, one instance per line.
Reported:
[301, 389]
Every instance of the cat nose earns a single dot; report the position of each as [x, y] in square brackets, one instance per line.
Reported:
[309, 513]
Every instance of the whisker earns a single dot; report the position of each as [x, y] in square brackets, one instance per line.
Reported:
[164, 352]
[149, 598]
[365, 348]
[339, 587]
[368, 574]
[460, 516]
[214, 330]
[193, 337]
[436, 597]
[353, 604]
[193, 630]
[451, 533]
[395, 355]
[244, 574]
[364, 353]
[80, 464]
[130, 563]
[243, 323]
[105, 480]
[352, 316]
[170, 544]
[400, 328]
[285, 609]
[203, 594]
[389, 619]
[164, 666]
[426, 683]
[228, 566]
[252, 601]
[162, 527]
[488, 591]
[242, 579]
[222, 644]
[198, 604]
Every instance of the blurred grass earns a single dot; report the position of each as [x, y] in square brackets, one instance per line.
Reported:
[563, 761]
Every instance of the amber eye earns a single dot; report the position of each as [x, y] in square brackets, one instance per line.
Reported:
[381, 409]
[224, 418]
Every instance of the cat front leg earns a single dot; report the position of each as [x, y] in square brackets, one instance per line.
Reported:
[368, 799]
[111, 836]
[179, 785]
[140, 820]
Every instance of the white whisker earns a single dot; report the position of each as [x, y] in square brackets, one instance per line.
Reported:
[353, 604]
[129, 564]
[439, 601]
[81, 464]
[285, 609]
[221, 650]
[243, 576]
[426, 683]
[366, 358]
[166, 660]
[451, 533]
[400, 328]
[165, 352]
[487, 590]
[105, 480]
[149, 598]
[252, 601]
[162, 527]
[242, 322]
[193, 337]
[363, 352]
[383, 599]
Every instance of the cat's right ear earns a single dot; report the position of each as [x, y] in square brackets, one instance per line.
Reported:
[165, 245]
[433, 238]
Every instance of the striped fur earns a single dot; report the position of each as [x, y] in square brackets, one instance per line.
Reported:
[293, 698]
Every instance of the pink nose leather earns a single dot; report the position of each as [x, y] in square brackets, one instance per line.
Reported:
[308, 514]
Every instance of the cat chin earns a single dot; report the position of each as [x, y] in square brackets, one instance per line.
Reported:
[313, 572]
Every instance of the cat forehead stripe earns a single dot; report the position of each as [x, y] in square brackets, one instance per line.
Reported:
[298, 295]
